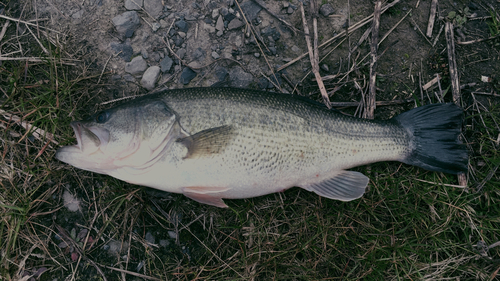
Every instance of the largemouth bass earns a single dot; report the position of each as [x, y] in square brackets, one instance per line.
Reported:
[216, 143]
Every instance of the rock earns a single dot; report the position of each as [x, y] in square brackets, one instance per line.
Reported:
[257, 55]
[155, 26]
[78, 14]
[199, 54]
[164, 243]
[229, 17]
[149, 78]
[325, 67]
[221, 73]
[234, 24]
[187, 75]
[215, 55]
[220, 24]
[124, 50]
[271, 32]
[181, 53]
[178, 40]
[219, 33]
[215, 13]
[163, 24]
[182, 34]
[150, 238]
[289, 10]
[126, 23]
[262, 83]
[182, 25]
[166, 64]
[272, 51]
[326, 10]
[144, 53]
[250, 9]
[208, 28]
[136, 66]
[130, 5]
[128, 78]
[295, 49]
[153, 7]
[172, 234]
[239, 78]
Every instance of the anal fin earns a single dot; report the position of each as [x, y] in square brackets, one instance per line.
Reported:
[343, 186]
[206, 195]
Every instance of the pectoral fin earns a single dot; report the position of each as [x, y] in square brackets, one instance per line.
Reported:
[206, 195]
[344, 186]
[208, 142]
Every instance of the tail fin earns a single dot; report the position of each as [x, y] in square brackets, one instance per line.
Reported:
[435, 129]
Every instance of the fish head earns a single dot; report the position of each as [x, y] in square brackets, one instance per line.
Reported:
[131, 135]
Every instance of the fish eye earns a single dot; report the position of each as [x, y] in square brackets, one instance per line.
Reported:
[101, 117]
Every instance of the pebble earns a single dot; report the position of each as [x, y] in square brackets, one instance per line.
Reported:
[155, 26]
[153, 7]
[150, 238]
[326, 10]
[215, 55]
[234, 24]
[219, 33]
[149, 78]
[126, 23]
[172, 234]
[239, 78]
[199, 54]
[124, 50]
[163, 23]
[182, 25]
[182, 34]
[220, 24]
[325, 67]
[257, 55]
[128, 78]
[77, 15]
[295, 49]
[187, 75]
[164, 243]
[221, 73]
[166, 64]
[208, 28]
[250, 9]
[215, 13]
[181, 53]
[130, 5]
[136, 66]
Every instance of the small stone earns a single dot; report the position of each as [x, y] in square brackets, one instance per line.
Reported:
[136, 66]
[272, 50]
[163, 24]
[286, 5]
[182, 34]
[251, 9]
[199, 54]
[221, 73]
[153, 7]
[181, 53]
[256, 55]
[215, 55]
[208, 28]
[182, 25]
[219, 33]
[295, 49]
[326, 10]
[172, 234]
[77, 15]
[149, 78]
[289, 10]
[215, 13]
[155, 26]
[124, 50]
[187, 75]
[239, 78]
[164, 243]
[144, 53]
[325, 67]
[128, 78]
[166, 64]
[150, 238]
[220, 24]
[126, 23]
[130, 5]
[234, 24]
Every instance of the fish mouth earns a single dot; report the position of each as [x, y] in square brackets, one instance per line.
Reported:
[77, 128]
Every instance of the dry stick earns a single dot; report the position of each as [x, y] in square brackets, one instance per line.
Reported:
[378, 103]
[477, 40]
[370, 99]
[455, 85]
[432, 18]
[28, 23]
[343, 33]
[313, 57]
[256, 41]
[263, 5]
[437, 37]
[4, 29]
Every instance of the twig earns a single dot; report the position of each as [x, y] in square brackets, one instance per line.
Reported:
[437, 37]
[477, 40]
[28, 23]
[432, 18]
[455, 85]
[343, 33]
[313, 56]
[261, 4]
[4, 29]
[370, 99]
[378, 103]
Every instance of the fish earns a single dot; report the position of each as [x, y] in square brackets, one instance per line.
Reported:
[212, 144]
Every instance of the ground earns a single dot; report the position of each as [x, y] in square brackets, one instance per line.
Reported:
[63, 60]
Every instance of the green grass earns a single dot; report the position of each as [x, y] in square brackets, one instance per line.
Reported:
[411, 224]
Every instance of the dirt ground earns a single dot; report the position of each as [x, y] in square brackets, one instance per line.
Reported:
[407, 64]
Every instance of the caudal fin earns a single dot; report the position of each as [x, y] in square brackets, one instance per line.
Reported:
[435, 129]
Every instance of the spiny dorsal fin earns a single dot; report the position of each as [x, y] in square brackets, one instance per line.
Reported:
[209, 141]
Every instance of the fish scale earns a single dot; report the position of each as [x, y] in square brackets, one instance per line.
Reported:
[216, 143]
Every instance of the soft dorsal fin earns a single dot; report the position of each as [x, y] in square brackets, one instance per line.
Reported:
[209, 141]
[343, 186]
